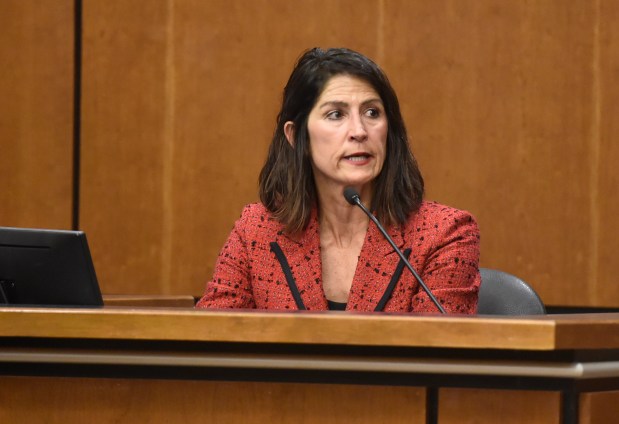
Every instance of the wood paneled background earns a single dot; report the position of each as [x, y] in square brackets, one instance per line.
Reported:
[511, 108]
[36, 113]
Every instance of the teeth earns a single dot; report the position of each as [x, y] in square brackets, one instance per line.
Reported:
[357, 158]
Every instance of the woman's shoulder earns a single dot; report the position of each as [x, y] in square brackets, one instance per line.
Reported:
[257, 216]
[432, 208]
[254, 210]
[435, 216]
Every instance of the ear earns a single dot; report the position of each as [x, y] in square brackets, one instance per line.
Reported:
[289, 132]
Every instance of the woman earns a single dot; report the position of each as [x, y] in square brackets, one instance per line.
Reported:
[304, 246]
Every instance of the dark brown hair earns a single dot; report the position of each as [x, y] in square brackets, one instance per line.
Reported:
[287, 187]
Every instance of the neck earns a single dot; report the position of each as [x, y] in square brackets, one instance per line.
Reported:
[340, 222]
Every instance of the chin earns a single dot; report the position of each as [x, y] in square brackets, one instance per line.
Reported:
[359, 183]
[364, 178]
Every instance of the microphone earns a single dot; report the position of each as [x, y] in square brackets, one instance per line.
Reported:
[352, 197]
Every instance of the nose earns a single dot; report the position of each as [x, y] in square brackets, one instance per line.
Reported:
[357, 131]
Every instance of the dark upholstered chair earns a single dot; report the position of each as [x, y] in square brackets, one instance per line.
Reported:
[501, 293]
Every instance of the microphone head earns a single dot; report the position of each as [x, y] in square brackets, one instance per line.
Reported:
[351, 195]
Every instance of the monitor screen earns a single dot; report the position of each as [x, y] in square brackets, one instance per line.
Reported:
[46, 268]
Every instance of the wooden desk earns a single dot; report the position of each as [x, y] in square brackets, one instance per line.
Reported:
[181, 365]
[151, 301]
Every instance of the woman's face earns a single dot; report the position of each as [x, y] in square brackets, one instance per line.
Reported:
[348, 134]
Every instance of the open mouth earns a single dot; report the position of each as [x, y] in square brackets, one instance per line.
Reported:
[357, 157]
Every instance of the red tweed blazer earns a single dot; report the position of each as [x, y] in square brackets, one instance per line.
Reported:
[262, 267]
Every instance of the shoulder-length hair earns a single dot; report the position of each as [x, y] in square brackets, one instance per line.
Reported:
[287, 187]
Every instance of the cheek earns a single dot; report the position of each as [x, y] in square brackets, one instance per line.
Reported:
[381, 135]
[323, 144]
[317, 150]
[321, 153]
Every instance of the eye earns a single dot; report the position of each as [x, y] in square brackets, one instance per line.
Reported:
[373, 112]
[334, 115]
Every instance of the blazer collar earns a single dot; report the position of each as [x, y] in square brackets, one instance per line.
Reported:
[377, 264]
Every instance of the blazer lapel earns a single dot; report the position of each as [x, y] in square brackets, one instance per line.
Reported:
[375, 268]
[377, 264]
[303, 256]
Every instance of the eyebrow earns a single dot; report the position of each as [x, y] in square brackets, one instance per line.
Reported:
[339, 103]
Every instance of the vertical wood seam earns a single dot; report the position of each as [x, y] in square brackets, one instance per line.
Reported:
[594, 180]
[77, 112]
[380, 36]
[168, 155]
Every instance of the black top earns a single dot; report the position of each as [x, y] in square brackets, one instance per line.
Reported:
[336, 306]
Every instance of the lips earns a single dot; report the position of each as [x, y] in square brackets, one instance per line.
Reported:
[358, 157]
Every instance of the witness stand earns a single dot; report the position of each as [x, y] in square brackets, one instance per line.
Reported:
[158, 364]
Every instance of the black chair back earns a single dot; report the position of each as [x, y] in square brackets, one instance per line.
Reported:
[501, 293]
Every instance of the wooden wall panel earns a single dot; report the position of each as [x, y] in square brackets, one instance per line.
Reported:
[125, 111]
[229, 79]
[62, 400]
[598, 408]
[498, 98]
[485, 406]
[36, 113]
[179, 103]
[605, 182]
[510, 106]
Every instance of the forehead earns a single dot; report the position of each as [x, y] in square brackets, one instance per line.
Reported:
[347, 88]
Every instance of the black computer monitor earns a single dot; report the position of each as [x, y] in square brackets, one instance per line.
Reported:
[47, 268]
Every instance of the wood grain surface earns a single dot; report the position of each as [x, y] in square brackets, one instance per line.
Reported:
[36, 113]
[510, 106]
[62, 400]
[595, 331]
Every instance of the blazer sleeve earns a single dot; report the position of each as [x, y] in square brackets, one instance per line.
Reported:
[451, 269]
[231, 286]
